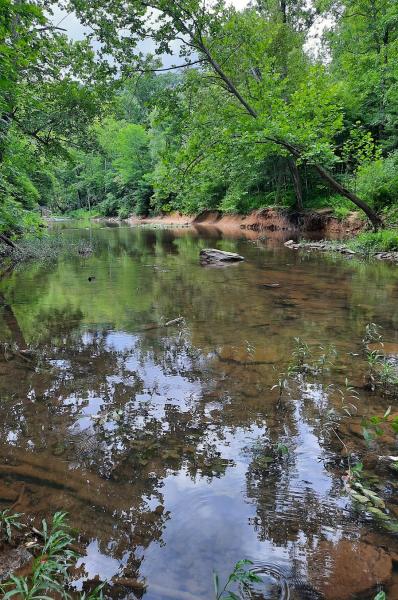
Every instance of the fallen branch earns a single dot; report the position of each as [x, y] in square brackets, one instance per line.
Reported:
[7, 241]
[163, 325]
[242, 363]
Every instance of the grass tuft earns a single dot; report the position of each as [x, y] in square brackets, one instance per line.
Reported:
[371, 242]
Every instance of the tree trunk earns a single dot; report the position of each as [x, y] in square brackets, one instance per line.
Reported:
[340, 189]
[283, 11]
[296, 179]
[12, 323]
[7, 241]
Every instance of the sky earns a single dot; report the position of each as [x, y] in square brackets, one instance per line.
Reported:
[76, 31]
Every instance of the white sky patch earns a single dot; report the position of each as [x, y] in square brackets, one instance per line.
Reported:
[76, 31]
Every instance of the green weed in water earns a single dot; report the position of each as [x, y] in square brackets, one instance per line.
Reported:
[240, 575]
[8, 522]
[50, 568]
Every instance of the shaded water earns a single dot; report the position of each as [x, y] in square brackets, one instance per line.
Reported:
[156, 439]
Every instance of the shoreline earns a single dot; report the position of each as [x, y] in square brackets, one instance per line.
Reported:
[325, 233]
[320, 222]
[330, 246]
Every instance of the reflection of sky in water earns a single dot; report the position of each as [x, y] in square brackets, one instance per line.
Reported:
[97, 563]
[209, 526]
[115, 385]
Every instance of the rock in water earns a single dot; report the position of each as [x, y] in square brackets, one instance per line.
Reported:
[212, 255]
[348, 569]
[12, 560]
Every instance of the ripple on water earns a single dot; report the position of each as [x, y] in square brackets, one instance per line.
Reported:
[276, 585]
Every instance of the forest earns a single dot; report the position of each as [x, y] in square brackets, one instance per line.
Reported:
[282, 103]
[194, 409]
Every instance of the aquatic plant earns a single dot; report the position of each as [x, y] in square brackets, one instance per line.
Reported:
[8, 521]
[281, 449]
[381, 373]
[329, 353]
[372, 426]
[304, 362]
[388, 375]
[96, 594]
[240, 575]
[50, 567]
[301, 352]
[348, 395]
[281, 384]
[48, 248]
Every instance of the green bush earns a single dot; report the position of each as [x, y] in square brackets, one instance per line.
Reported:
[390, 215]
[109, 207]
[83, 214]
[15, 220]
[377, 182]
[124, 212]
[341, 206]
[381, 241]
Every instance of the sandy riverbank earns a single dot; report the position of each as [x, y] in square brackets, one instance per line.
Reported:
[322, 221]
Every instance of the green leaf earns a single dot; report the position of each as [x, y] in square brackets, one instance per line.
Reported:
[216, 582]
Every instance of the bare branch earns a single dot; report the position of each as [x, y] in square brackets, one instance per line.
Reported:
[174, 67]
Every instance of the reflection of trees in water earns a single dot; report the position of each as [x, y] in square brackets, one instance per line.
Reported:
[295, 513]
[166, 400]
[108, 472]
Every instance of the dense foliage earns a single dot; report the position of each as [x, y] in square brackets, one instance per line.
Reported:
[260, 113]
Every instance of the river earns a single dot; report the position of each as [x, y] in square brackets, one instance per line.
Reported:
[168, 446]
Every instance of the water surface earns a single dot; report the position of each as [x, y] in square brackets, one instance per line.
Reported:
[156, 439]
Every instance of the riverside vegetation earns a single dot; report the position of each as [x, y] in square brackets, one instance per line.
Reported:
[381, 376]
[259, 109]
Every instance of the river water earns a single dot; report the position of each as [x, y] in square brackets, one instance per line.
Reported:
[166, 445]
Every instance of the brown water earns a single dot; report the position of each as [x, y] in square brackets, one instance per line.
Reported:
[155, 440]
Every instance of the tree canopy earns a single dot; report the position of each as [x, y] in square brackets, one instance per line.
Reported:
[257, 112]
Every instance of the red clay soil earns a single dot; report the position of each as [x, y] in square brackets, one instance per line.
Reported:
[267, 219]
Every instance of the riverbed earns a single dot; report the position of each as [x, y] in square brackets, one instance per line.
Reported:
[169, 445]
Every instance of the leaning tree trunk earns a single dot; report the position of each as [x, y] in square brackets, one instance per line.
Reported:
[6, 240]
[340, 189]
[294, 152]
[12, 324]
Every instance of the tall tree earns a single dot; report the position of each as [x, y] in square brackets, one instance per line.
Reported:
[50, 90]
[363, 42]
[205, 32]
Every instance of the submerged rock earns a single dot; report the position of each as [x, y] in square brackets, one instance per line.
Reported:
[12, 560]
[347, 569]
[212, 255]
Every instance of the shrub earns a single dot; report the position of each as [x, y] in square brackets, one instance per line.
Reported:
[381, 241]
[377, 182]
[109, 206]
[16, 220]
